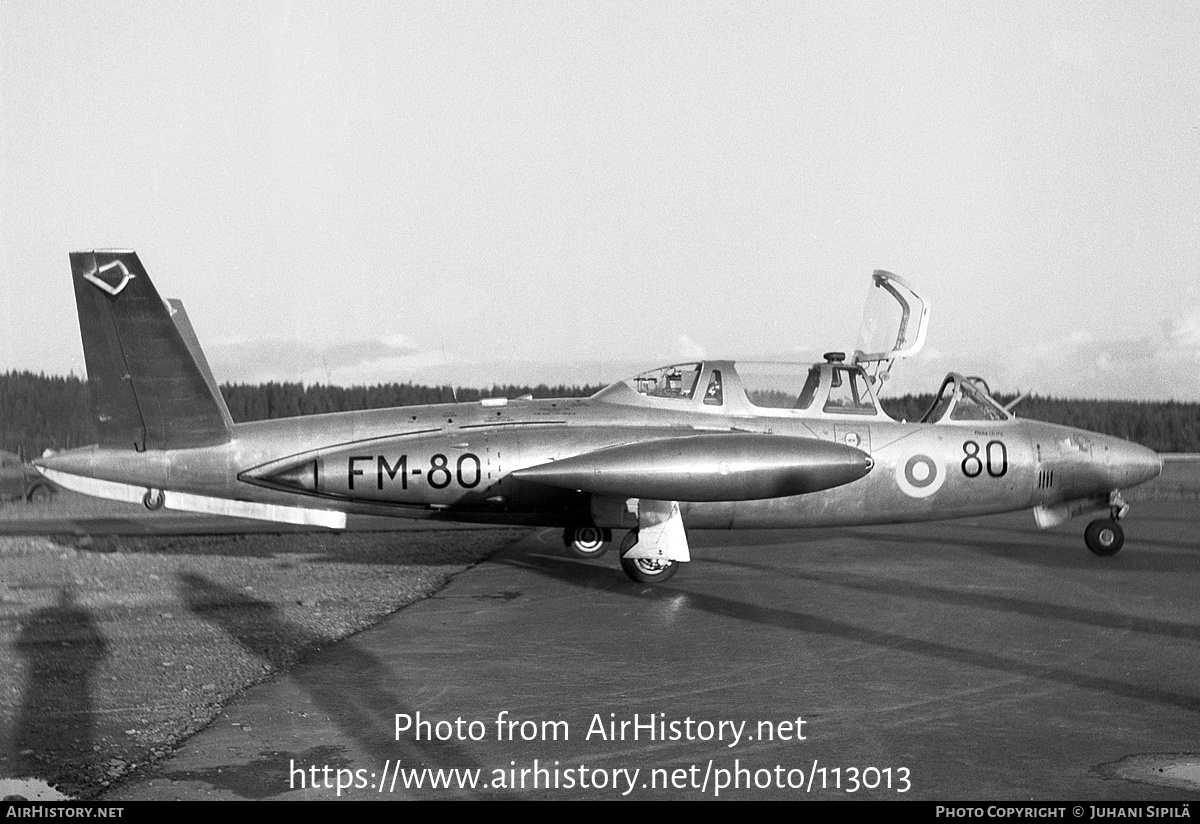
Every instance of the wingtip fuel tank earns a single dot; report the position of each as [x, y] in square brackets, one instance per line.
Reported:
[726, 467]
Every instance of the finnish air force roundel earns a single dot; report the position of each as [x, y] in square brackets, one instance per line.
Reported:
[919, 476]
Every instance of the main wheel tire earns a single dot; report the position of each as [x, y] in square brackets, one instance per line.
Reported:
[40, 493]
[649, 570]
[587, 541]
[645, 570]
[1104, 537]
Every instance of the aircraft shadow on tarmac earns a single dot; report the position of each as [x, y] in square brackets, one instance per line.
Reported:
[352, 687]
[974, 599]
[1048, 550]
[568, 570]
[995, 537]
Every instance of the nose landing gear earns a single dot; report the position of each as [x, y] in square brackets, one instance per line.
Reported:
[1105, 536]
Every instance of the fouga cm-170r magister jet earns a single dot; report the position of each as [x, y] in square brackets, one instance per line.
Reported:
[707, 445]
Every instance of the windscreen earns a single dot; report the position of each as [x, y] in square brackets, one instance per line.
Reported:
[677, 382]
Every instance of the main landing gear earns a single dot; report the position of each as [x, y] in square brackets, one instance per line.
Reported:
[650, 553]
[1105, 536]
[593, 541]
[587, 541]
[645, 570]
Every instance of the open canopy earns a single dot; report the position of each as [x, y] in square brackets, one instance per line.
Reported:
[894, 324]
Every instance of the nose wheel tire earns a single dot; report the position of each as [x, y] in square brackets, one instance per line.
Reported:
[1104, 537]
[645, 570]
[587, 541]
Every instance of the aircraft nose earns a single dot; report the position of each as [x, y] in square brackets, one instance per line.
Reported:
[1131, 464]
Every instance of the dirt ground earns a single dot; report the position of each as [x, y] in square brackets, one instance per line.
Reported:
[115, 649]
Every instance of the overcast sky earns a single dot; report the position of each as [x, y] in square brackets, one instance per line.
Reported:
[468, 192]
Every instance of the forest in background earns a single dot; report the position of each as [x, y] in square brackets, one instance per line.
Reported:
[39, 411]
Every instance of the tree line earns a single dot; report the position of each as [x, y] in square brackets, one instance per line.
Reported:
[39, 412]
[260, 402]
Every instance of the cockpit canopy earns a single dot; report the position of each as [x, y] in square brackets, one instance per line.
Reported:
[894, 326]
[833, 389]
[751, 388]
[676, 382]
[965, 399]
[895, 321]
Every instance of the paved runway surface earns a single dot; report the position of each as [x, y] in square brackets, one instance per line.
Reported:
[977, 659]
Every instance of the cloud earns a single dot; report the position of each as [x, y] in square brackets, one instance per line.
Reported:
[1162, 364]
[1184, 332]
[687, 349]
[395, 358]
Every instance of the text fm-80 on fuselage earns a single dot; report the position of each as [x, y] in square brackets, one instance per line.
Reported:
[707, 445]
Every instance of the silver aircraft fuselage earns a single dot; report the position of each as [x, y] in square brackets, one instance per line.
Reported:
[706, 445]
[463, 461]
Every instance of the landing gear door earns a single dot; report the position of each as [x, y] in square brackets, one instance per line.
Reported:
[894, 325]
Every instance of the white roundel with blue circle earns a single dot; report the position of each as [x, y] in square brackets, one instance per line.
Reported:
[919, 475]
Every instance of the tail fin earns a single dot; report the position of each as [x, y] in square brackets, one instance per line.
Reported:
[150, 384]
